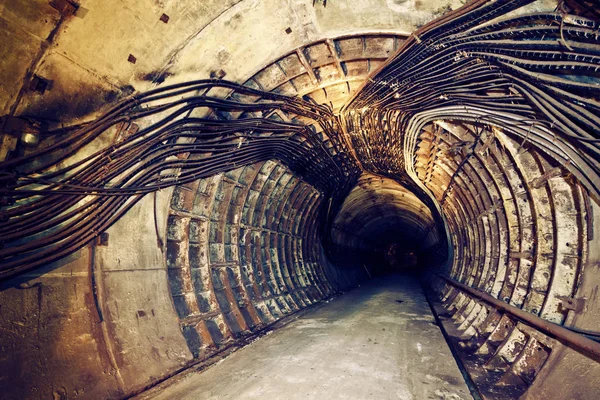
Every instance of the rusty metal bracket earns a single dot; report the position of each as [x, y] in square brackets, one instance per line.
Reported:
[13, 129]
[575, 339]
[64, 7]
[574, 304]
[541, 181]
[102, 239]
[527, 255]
[493, 208]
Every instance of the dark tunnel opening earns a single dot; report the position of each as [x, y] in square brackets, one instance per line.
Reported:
[385, 228]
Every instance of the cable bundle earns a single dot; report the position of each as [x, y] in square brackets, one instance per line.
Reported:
[55, 203]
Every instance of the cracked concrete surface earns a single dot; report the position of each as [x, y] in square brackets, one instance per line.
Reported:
[378, 341]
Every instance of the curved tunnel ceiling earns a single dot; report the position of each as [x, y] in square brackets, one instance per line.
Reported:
[378, 211]
[185, 219]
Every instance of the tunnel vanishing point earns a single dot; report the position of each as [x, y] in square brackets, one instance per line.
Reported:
[176, 177]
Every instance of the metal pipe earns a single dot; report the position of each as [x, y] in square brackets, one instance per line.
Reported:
[574, 339]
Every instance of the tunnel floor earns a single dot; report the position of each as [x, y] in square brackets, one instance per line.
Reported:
[377, 341]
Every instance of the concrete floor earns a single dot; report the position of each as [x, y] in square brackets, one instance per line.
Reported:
[378, 341]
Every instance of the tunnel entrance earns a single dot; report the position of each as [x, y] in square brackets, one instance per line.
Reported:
[386, 227]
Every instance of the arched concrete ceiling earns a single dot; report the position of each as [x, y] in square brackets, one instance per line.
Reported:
[378, 210]
[107, 49]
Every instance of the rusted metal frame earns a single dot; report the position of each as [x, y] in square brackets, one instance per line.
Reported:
[546, 225]
[218, 215]
[584, 209]
[310, 207]
[304, 274]
[305, 207]
[274, 200]
[362, 95]
[539, 223]
[236, 315]
[295, 208]
[495, 173]
[498, 335]
[457, 242]
[488, 239]
[260, 270]
[292, 265]
[252, 284]
[547, 142]
[233, 317]
[433, 152]
[286, 199]
[312, 244]
[268, 190]
[244, 245]
[215, 306]
[423, 159]
[307, 67]
[452, 298]
[290, 292]
[288, 206]
[558, 214]
[513, 229]
[495, 228]
[462, 306]
[337, 38]
[463, 215]
[279, 270]
[532, 358]
[507, 352]
[445, 166]
[276, 300]
[309, 247]
[471, 331]
[255, 255]
[480, 197]
[528, 243]
[260, 185]
[575, 340]
[460, 166]
[177, 250]
[286, 254]
[243, 290]
[468, 317]
[288, 195]
[468, 213]
[286, 270]
[286, 305]
[456, 227]
[581, 208]
[334, 53]
[458, 303]
[474, 210]
[436, 182]
[487, 326]
[298, 210]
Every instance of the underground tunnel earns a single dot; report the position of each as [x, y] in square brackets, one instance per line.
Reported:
[267, 199]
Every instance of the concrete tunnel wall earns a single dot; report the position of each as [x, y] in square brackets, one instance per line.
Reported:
[114, 317]
[190, 270]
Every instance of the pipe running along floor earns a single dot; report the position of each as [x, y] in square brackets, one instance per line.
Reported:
[378, 341]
